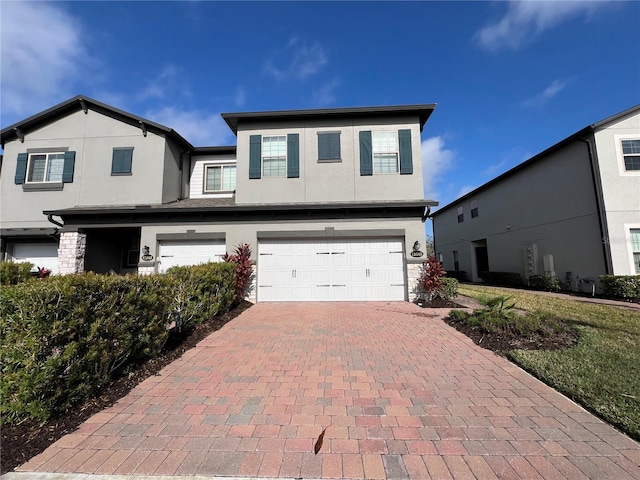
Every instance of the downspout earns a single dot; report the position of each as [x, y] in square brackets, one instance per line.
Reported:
[602, 218]
[55, 222]
[182, 186]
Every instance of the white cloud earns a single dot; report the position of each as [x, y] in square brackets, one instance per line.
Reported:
[525, 20]
[241, 97]
[325, 95]
[547, 94]
[466, 189]
[169, 83]
[298, 61]
[199, 128]
[436, 159]
[41, 61]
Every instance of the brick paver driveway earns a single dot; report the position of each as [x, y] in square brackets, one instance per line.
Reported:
[403, 394]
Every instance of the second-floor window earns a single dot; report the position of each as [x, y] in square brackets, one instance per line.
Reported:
[274, 156]
[631, 154]
[220, 178]
[385, 152]
[328, 146]
[45, 167]
[122, 161]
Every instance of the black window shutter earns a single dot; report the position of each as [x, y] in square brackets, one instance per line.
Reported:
[69, 166]
[255, 156]
[406, 155]
[21, 168]
[293, 155]
[366, 155]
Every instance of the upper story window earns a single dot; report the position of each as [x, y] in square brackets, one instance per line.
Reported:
[386, 152]
[631, 154]
[274, 156]
[474, 208]
[635, 246]
[460, 214]
[219, 178]
[329, 147]
[42, 170]
[122, 161]
[45, 167]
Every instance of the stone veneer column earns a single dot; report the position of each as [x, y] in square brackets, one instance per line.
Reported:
[413, 273]
[71, 251]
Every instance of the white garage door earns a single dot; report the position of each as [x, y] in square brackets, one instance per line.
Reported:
[182, 253]
[43, 255]
[295, 270]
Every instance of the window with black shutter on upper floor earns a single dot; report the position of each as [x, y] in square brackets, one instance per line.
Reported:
[41, 169]
[122, 161]
[329, 147]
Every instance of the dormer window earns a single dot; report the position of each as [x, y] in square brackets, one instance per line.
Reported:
[219, 178]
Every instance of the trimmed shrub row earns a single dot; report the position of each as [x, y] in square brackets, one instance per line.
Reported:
[13, 273]
[502, 279]
[621, 286]
[65, 337]
[459, 275]
[545, 282]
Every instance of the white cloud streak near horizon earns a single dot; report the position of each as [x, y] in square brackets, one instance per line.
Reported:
[199, 128]
[525, 20]
[436, 159]
[38, 64]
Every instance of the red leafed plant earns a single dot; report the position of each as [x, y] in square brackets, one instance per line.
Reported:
[244, 268]
[43, 272]
[429, 281]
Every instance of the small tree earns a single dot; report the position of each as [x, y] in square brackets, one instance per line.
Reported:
[244, 268]
[429, 281]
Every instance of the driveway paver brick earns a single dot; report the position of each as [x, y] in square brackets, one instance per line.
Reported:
[403, 396]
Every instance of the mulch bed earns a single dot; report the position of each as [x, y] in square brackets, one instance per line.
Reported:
[502, 343]
[22, 441]
[438, 303]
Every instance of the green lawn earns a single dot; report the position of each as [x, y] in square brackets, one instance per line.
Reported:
[602, 372]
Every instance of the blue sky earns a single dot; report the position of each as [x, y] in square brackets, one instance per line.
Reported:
[509, 78]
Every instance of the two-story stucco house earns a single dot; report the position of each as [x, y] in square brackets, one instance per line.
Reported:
[572, 211]
[331, 201]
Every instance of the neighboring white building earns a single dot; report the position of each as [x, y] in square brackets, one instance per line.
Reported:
[331, 201]
[572, 211]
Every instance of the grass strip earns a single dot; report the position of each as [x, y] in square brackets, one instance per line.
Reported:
[602, 372]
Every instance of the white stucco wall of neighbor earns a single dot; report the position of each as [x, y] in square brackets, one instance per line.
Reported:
[620, 190]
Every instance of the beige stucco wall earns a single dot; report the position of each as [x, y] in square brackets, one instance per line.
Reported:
[328, 182]
[620, 190]
[92, 136]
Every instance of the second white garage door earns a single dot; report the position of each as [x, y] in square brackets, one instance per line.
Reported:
[362, 269]
[181, 253]
[43, 255]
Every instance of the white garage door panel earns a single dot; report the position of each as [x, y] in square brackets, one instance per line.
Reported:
[320, 270]
[43, 255]
[183, 253]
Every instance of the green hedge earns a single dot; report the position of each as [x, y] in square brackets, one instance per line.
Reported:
[13, 273]
[621, 286]
[502, 279]
[545, 282]
[65, 338]
[448, 288]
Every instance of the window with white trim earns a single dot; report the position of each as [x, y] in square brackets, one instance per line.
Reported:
[274, 156]
[219, 178]
[635, 247]
[631, 154]
[45, 167]
[385, 152]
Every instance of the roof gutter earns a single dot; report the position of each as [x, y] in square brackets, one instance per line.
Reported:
[602, 216]
[55, 222]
